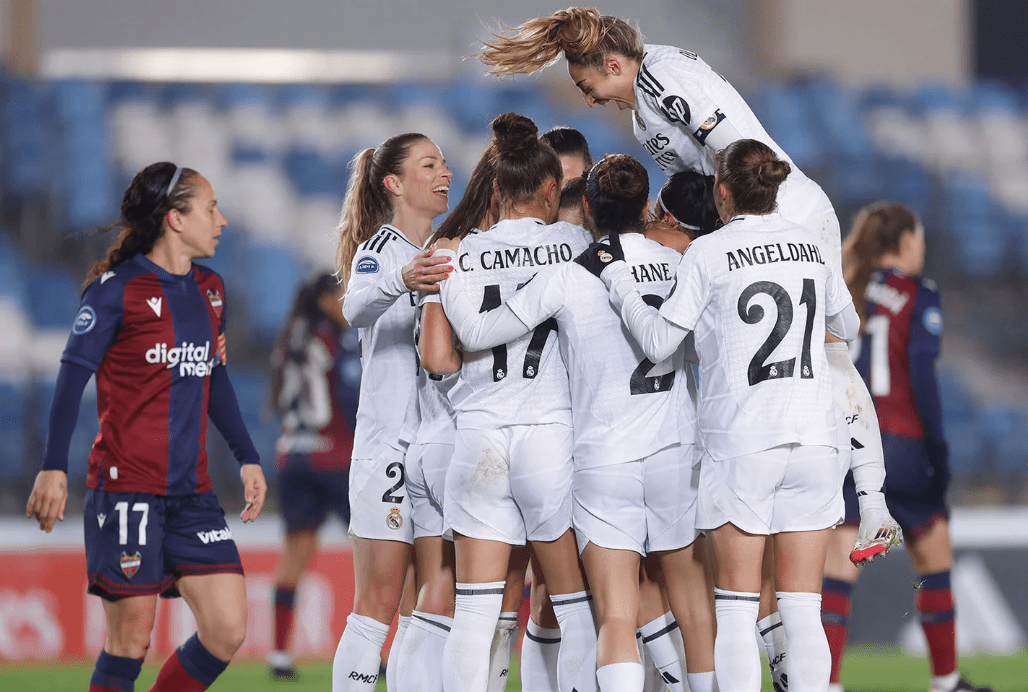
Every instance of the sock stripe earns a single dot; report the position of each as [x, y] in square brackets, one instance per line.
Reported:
[733, 597]
[837, 586]
[834, 619]
[542, 640]
[772, 627]
[480, 592]
[508, 618]
[560, 601]
[939, 617]
[431, 622]
[660, 633]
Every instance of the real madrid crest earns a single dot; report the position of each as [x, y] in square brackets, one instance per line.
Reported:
[639, 121]
[215, 298]
[130, 563]
[395, 519]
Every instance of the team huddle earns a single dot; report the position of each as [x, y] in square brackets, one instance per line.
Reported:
[550, 387]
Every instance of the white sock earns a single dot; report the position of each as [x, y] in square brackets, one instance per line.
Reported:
[835, 687]
[702, 682]
[946, 682]
[539, 659]
[419, 669]
[773, 634]
[466, 654]
[657, 638]
[652, 682]
[359, 654]
[736, 657]
[500, 651]
[280, 659]
[393, 662]
[576, 662]
[620, 677]
[809, 664]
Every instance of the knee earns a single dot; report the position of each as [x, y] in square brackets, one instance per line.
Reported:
[437, 598]
[129, 634]
[224, 636]
[378, 601]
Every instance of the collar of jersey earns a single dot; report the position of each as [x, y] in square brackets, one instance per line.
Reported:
[538, 222]
[161, 273]
[400, 233]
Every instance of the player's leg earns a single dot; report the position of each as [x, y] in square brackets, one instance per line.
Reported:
[502, 648]
[129, 623]
[614, 582]
[657, 628]
[432, 618]
[689, 581]
[542, 638]
[407, 600]
[297, 555]
[837, 588]
[769, 622]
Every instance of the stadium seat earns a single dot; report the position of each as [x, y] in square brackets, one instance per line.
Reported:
[13, 448]
[275, 274]
[53, 296]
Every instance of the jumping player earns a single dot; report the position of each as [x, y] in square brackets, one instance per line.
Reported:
[394, 192]
[768, 427]
[684, 113]
[883, 256]
[152, 329]
[315, 376]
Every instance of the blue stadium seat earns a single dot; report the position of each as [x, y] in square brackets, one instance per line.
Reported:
[967, 453]
[275, 274]
[13, 447]
[53, 296]
[1010, 451]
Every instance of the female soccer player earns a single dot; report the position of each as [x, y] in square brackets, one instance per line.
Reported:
[152, 329]
[314, 384]
[883, 256]
[632, 475]
[684, 114]
[767, 424]
[394, 192]
[509, 479]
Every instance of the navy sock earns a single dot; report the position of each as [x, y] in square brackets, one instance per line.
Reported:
[200, 663]
[115, 672]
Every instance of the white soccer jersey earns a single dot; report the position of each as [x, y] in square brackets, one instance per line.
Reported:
[523, 382]
[379, 305]
[756, 294]
[622, 403]
[680, 101]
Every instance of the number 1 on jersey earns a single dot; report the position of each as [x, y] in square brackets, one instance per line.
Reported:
[491, 301]
[753, 314]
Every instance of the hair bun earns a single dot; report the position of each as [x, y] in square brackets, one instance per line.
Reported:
[622, 177]
[514, 134]
[773, 173]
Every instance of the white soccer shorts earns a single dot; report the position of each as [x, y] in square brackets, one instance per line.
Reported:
[785, 488]
[511, 484]
[646, 505]
[379, 503]
[426, 484]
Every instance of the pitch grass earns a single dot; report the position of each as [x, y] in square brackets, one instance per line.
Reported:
[866, 669]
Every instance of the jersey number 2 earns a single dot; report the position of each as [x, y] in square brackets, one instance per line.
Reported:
[758, 371]
[534, 354]
[640, 382]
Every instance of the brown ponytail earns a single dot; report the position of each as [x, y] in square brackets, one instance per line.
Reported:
[582, 34]
[877, 230]
[147, 200]
[523, 161]
[368, 204]
[752, 172]
[473, 207]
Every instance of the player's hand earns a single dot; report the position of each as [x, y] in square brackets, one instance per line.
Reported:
[254, 490]
[599, 256]
[48, 497]
[424, 272]
[878, 530]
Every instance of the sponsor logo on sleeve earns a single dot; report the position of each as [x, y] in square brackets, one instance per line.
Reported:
[367, 265]
[675, 109]
[933, 321]
[130, 563]
[708, 125]
[214, 297]
[85, 320]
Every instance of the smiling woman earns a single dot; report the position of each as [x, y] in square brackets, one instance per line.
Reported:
[152, 329]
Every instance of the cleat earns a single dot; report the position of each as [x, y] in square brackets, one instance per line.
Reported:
[879, 532]
[964, 686]
[289, 674]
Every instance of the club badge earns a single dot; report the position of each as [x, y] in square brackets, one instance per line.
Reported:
[215, 298]
[395, 519]
[130, 563]
[639, 121]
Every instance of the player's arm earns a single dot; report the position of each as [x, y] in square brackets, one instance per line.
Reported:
[372, 289]
[924, 348]
[689, 106]
[435, 339]
[480, 330]
[841, 318]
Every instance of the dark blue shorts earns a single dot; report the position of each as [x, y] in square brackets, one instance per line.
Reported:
[139, 544]
[308, 494]
[913, 499]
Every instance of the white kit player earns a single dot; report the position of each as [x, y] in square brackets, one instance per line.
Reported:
[394, 192]
[509, 478]
[757, 294]
[684, 113]
[633, 485]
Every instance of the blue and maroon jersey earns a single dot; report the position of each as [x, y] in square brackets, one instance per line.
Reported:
[318, 397]
[153, 339]
[903, 322]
